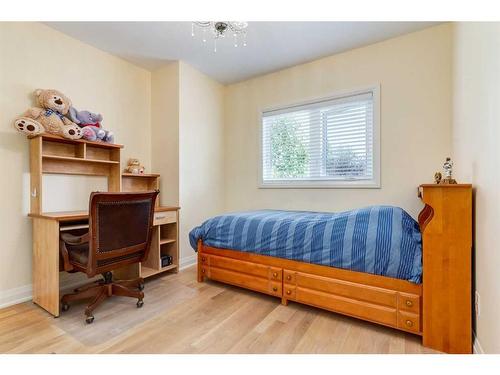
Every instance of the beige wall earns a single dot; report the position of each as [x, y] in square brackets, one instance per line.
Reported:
[201, 158]
[165, 131]
[476, 132]
[36, 56]
[415, 81]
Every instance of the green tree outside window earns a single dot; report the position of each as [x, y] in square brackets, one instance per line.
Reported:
[289, 156]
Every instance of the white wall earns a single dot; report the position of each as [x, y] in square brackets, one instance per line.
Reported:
[165, 131]
[187, 138]
[476, 133]
[201, 151]
[415, 80]
[36, 56]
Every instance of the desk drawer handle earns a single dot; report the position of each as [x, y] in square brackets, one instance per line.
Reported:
[160, 217]
[275, 274]
[275, 289]
[288, 292]
[203, 271]
[203, 259]
[289, 277]
[409, 323]
[409, 303]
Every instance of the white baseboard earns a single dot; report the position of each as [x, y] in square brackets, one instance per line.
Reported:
[477, 348]
[187, 262]
[25, 293]
[15, 295]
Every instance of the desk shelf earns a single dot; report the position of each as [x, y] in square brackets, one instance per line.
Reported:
[164, 242]
[50, 154]
[148, 272]
[141, 182]
[79, 160]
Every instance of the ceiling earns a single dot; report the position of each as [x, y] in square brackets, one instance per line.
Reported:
[270, 46]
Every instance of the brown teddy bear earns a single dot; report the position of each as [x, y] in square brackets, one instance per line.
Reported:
[134, 166]
[49, 117]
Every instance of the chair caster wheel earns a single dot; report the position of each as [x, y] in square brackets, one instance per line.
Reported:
[65, 307]
[141, 287]
[140, 304]
[89, 319]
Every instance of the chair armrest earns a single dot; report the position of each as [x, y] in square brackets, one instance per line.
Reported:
[65, 256]
[71, 239]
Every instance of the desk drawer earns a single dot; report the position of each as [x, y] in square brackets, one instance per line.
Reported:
[165, 217]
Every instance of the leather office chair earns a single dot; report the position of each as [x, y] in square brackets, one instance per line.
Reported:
[120, 228]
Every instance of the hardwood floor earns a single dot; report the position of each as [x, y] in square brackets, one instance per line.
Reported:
[181, 315]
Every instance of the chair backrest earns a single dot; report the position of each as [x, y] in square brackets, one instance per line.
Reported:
[120, 229]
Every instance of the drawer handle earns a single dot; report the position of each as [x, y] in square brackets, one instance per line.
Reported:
[409, 323]
[409, 303]
[203, 270]
[289, 277]
[160, 217]
[275, 289]
[275, 274]
[203, 259]
[288, 292]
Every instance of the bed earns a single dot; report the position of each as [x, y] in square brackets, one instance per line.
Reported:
[372, 263]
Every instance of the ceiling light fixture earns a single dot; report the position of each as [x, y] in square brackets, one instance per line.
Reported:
[220, 29]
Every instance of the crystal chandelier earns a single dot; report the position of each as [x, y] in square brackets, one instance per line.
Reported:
[220, 29]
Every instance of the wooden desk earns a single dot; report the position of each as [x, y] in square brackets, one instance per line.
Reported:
[46, 259]
[55, 155]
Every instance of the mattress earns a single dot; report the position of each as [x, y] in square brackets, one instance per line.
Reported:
[381, 240]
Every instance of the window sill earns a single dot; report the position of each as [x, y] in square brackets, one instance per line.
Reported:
[321, 185]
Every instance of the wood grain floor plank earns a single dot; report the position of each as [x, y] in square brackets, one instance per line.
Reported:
[181, 315]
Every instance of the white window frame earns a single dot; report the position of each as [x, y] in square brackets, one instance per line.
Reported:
[374, 183]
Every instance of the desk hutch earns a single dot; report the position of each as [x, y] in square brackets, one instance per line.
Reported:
[54, 155]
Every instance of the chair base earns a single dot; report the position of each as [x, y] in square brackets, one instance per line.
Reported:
[102, 289]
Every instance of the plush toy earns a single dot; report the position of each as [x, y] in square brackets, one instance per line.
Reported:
[134, 166]
[49, 117]
[91, 125]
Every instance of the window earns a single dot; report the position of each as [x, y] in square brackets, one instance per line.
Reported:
[331, 142]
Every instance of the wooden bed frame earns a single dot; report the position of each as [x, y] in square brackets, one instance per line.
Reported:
[439, 309]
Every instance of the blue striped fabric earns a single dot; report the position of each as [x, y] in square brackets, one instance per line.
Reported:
[382, 240]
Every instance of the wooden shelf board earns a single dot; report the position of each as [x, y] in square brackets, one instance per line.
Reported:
[55, 138]
[143, 175]
[166, 240]
[79, 160]
[167, 208]
[146, 271]
[168, 268]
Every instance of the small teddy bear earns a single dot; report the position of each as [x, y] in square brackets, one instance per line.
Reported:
[91, 125]
[134, 166]
[49, 117]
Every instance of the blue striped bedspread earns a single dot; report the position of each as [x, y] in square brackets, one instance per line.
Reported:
[382, 240]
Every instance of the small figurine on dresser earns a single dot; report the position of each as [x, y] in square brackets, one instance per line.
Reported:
[134, 166]
[448, 172]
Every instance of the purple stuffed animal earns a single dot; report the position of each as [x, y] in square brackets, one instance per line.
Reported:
[91, 125]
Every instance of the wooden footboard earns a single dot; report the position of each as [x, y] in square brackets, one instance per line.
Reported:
[383, 300]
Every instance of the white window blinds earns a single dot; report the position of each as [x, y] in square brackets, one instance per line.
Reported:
[330, 141]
